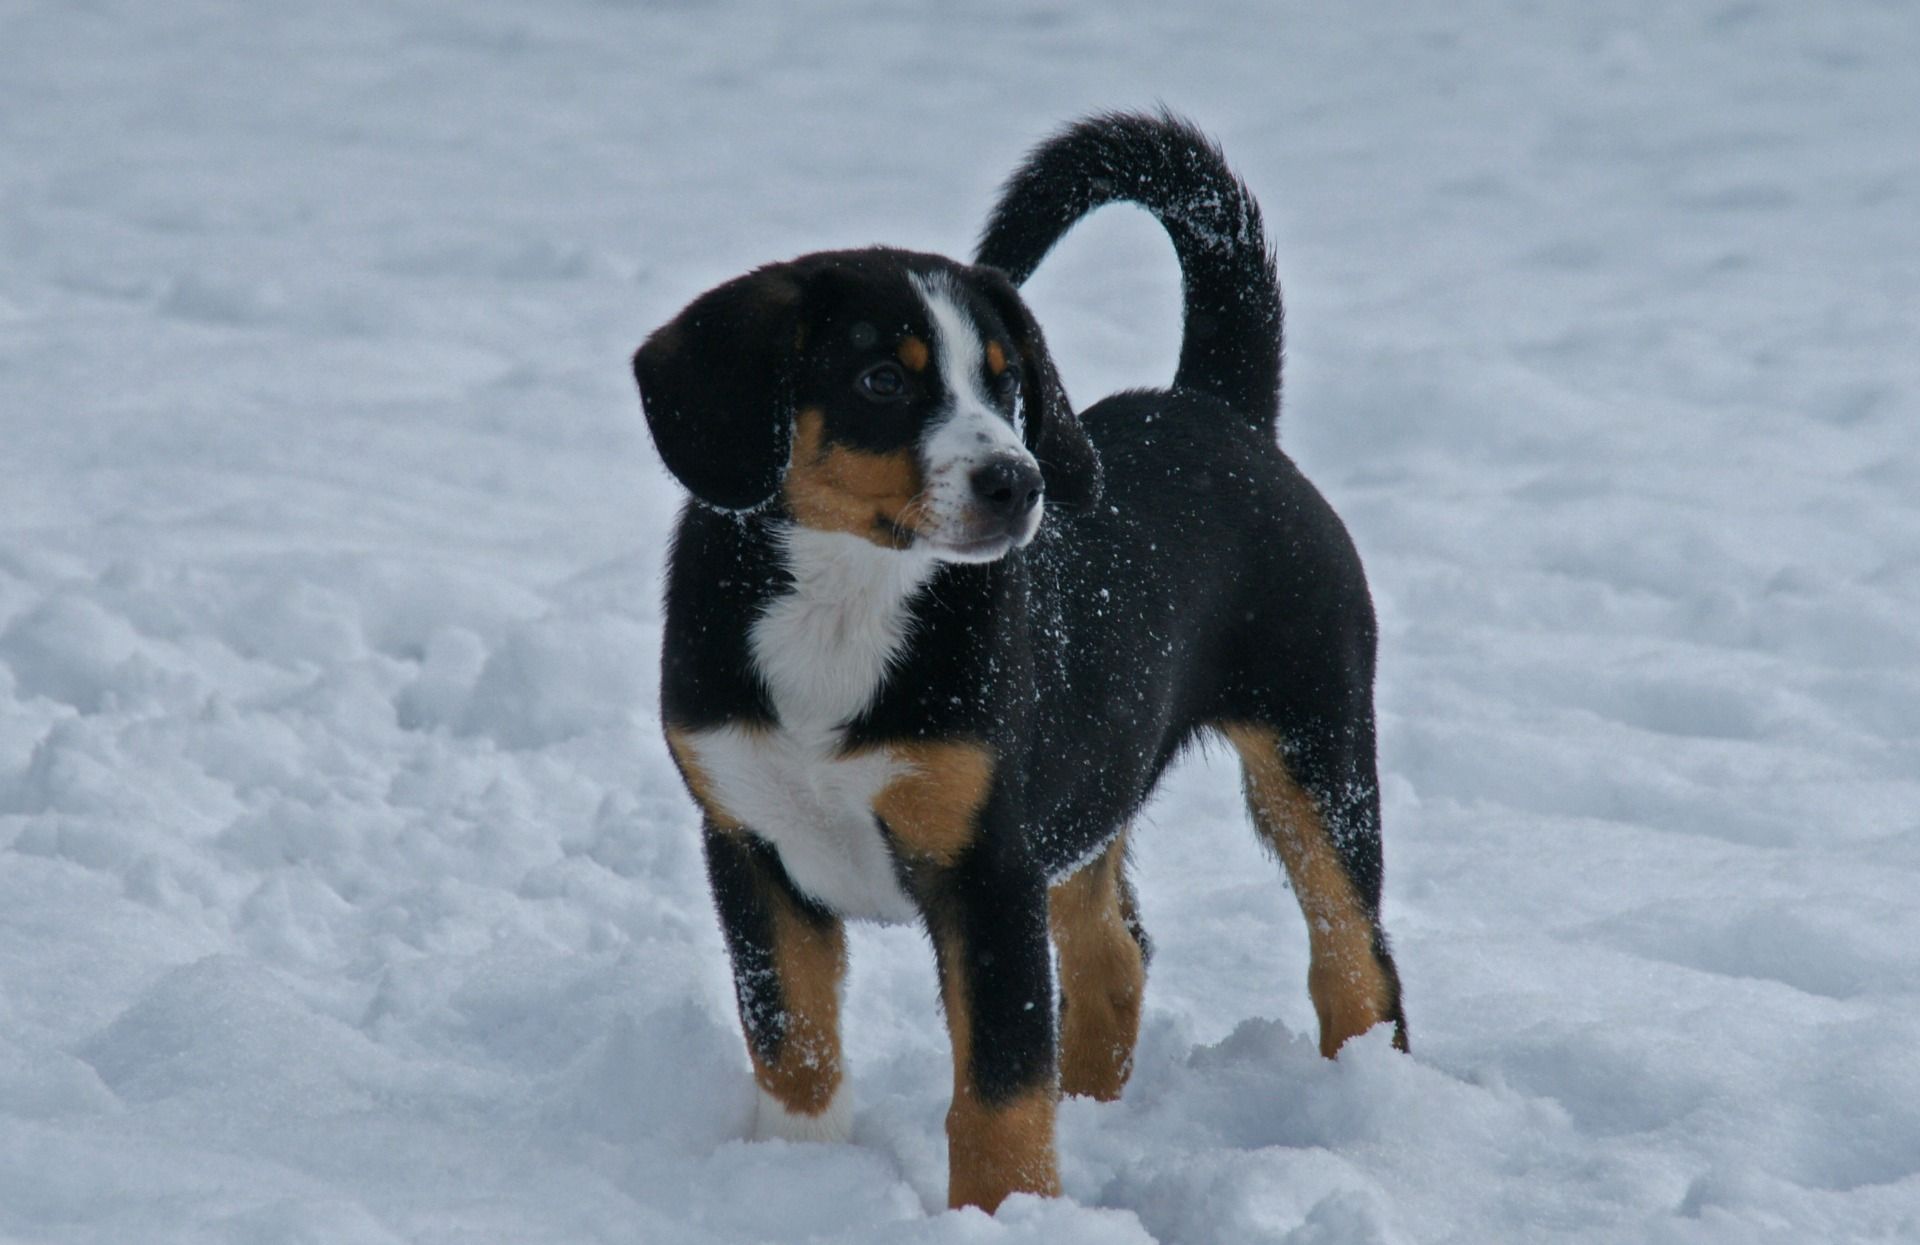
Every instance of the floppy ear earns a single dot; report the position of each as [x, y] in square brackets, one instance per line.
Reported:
[1068, 461]
[716, 391]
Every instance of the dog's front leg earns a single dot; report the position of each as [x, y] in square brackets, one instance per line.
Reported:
[956, 828]
[789, 958]
[989, 925]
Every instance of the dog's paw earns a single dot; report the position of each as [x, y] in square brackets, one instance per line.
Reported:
[773, 1121]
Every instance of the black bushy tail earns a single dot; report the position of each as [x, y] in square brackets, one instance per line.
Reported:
[1231, 343]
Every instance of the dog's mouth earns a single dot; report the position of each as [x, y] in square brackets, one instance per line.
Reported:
[988, 549]
[985, 542]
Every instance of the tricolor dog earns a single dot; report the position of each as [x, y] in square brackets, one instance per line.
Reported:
[931, 639]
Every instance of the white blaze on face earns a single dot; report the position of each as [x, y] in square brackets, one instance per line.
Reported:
[966, 435]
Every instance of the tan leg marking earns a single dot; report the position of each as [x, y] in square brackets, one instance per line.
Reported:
[932, 807]
[811, 960]
[993, 1149]
[1350, 992]
[835, 489]
[996, 1151]
[1102, 978]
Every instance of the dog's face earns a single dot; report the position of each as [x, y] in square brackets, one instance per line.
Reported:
[901, 398]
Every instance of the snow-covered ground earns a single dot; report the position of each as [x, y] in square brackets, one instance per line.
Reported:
[346, 893]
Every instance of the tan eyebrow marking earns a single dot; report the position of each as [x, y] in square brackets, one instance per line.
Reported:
[996, 358]
[913, 353]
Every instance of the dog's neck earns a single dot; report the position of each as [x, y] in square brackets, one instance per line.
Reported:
[823, 647]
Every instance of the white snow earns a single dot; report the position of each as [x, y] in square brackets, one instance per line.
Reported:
[346, 891]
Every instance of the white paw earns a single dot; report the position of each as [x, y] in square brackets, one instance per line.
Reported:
[772, 1121]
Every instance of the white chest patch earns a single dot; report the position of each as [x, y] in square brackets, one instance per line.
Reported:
[823, 651]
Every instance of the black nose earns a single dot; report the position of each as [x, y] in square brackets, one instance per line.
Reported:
[1007, 488]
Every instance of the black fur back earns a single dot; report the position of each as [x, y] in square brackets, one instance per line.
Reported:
[1231, 345]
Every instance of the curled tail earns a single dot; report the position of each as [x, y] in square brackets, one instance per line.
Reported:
[1231, 342]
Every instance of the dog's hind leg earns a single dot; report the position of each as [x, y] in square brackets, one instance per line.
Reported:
[1103, 973]
[1318, 808]
[789, 959]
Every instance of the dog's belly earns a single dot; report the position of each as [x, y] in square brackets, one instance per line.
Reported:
[816, 810]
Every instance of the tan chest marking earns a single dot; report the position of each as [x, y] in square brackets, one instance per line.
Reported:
[932, 806]
[699, 782]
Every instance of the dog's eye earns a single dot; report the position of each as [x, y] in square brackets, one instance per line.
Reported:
[883, 382]
[1007, 383]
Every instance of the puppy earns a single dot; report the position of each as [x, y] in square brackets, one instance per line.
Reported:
[931, 639]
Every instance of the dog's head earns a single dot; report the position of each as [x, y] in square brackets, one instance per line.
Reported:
[903, 398]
